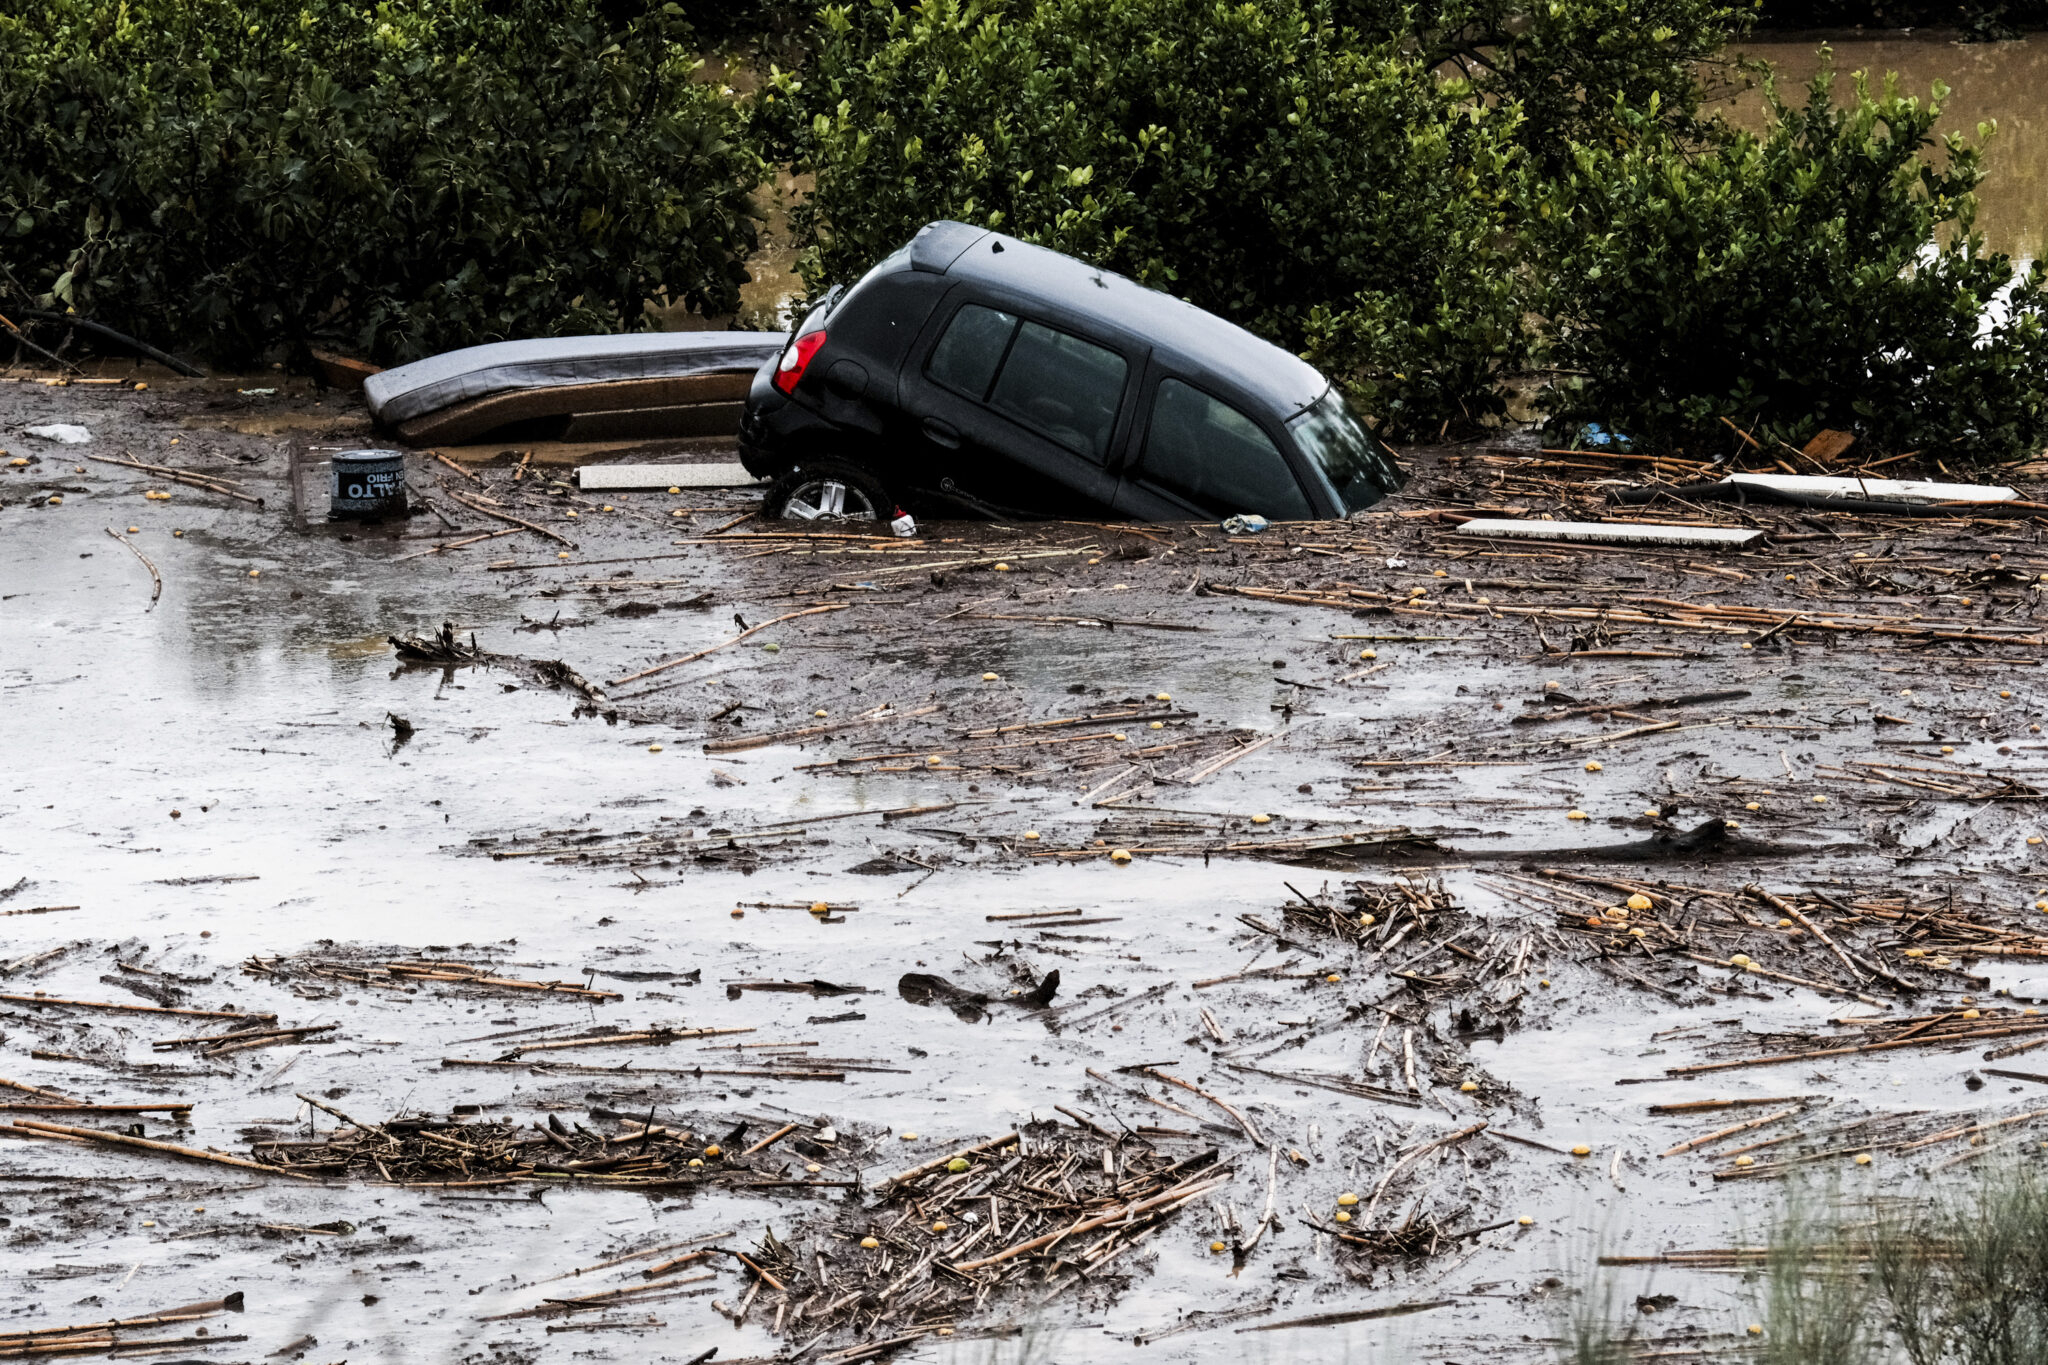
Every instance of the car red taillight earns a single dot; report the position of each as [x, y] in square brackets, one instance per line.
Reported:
[796, 360]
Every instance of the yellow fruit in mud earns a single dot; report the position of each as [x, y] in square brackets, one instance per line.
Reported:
[1217, 1248]
[1754, 805]
[1941, 962]
[1417, 592]
[1638, 901]
[1593, 765]
[713, 1150]
[1526, 1221]
[1119, 855]
[1756, 1329]
[676, 490]
[813, 1167]
[1973, 1014]
[157, 495]
[738, 913]
[1367, 921]
[1545, 983]
[910, 1137]
[1784, 924]
[57, 500]
[1469, 1088]
[820, 713]
[1333, 977]
[18, 463]
[1368, 654]
[1863, 1158]
[1162, 696]
[1347, 1199]
[1118, 737]
[957, 1164]
[1916, 952]
[2033, 838]
[1652, 813]
[1820, 800]
[869, 1243]
[654, 748]
[1745, 1161]
[135, 530]
[938, 1227]
[1343, 1217]
[1635, 933]
[1615, 912]
[255, 573]
[139, 388]
[1575, 815]
[1552, 686]
[1031, 834]
[1158, 725]
[1948, 748]
[572, 514]
[988, 677]
[1739, 960]
[1731, 824]
[1582, 1150]
[695, 1161]
[1262, 819]
[561, 554]
[2005, 696]
[820, 908]
[607, 507]
[1002, 568]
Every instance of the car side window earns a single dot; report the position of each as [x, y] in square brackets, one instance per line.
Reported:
[966, 357]
[1068, 388]
[1217, 458]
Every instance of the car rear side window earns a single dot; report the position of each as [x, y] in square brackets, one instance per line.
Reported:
[1063, 386]
[966, 357]
[1217, 458]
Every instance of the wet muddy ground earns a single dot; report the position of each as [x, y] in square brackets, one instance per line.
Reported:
[1373, 860]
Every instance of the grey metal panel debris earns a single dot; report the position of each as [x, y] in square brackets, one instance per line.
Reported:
[626, 478]
[1880, 490]
[400, 394]
[1613, 532]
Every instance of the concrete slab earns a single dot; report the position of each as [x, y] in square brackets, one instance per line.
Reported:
[627, 478]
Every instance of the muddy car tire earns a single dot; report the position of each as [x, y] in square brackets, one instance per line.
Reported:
[828, 490]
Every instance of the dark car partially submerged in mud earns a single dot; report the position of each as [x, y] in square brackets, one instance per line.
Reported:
[973, 371]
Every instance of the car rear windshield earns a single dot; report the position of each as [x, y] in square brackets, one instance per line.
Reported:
[1358, 466]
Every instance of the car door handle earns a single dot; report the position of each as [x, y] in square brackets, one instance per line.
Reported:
[942, 433]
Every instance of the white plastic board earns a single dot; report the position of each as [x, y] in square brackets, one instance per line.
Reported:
[1614, 532]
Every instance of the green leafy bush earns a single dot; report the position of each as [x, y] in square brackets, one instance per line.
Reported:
[398, 178]
[1822, 275]
[1340, 200]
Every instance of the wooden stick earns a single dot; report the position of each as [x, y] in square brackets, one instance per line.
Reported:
[476, 506]
[130, 1009]
[207, 482]
[469, 474]
[765, 1143]
[80, 1107]
[1792, 912]
[156, 579]
[1732, 1130]
[1239, 1119]
[691, 658]
[163, 1148]
[926, 1168]
[741, 742]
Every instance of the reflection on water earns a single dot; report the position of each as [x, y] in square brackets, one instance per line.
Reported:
[2003, 81]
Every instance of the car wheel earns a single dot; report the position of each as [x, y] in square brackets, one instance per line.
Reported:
[828, 490]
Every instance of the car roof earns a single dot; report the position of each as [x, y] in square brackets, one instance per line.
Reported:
[1186, 337]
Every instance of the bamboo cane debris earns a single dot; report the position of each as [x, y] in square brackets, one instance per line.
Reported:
[406, 974]
[111, 1337]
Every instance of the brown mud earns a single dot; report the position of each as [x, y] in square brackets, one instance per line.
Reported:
[1079, 912]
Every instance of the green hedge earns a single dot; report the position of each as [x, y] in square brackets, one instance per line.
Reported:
[233, 176]
[1825, 274]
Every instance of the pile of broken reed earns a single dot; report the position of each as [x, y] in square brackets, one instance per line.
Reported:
[437, 1152]
[1045, 1206]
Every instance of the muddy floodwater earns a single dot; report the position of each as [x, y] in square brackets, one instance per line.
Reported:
[2003, 82]
[1373, 860]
